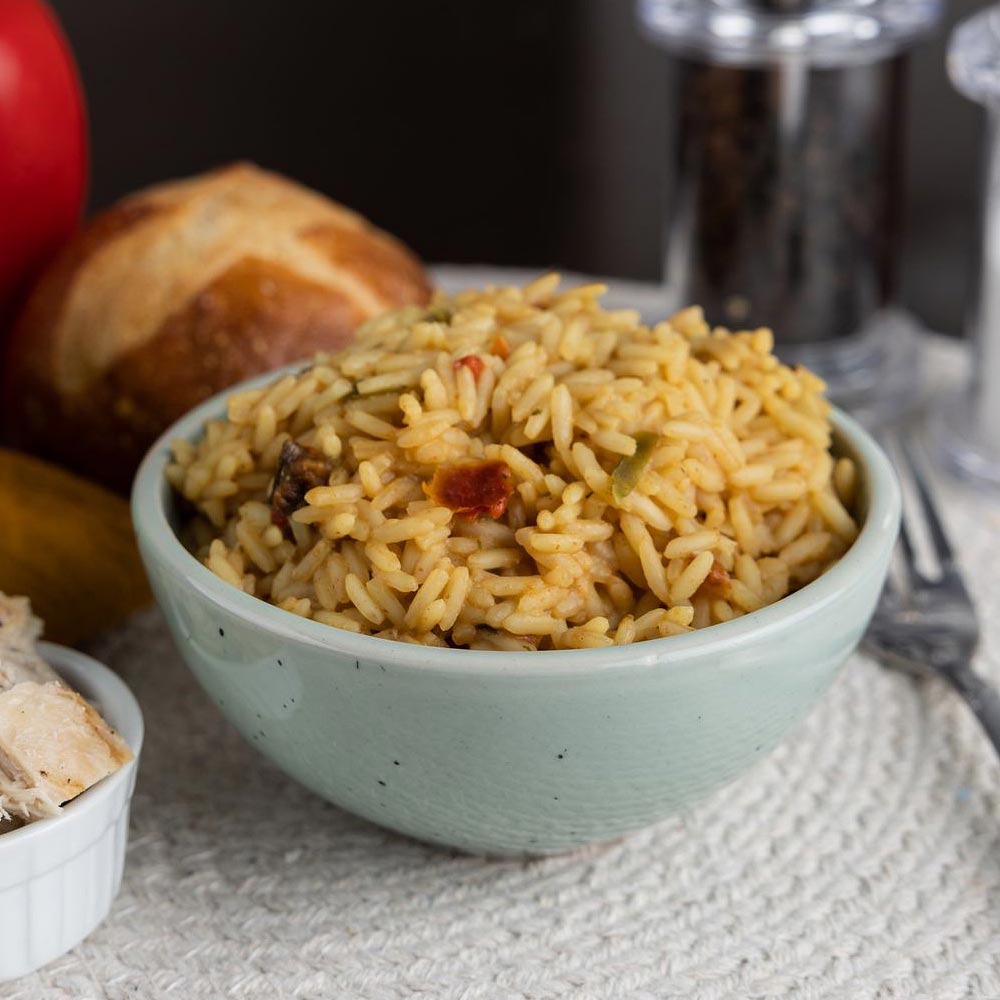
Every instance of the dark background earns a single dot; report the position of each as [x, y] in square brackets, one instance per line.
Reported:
[529, 132]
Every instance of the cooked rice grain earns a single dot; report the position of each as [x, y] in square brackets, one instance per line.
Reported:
[737, 503]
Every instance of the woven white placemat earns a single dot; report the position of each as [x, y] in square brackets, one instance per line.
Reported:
[861, 860]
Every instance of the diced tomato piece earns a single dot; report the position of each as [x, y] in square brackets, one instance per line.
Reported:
[472, 489]
[473, 362]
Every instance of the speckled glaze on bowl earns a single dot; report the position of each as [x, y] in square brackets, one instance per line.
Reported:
[506, 753]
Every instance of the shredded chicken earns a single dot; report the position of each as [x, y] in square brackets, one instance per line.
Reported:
[53, 744]
[19, 631]
[716, 584]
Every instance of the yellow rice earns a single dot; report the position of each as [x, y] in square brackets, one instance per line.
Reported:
[739, 503]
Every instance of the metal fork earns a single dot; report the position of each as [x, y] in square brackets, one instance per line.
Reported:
[926, 624]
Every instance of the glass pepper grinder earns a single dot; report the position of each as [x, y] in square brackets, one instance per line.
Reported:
[968, 425]
[787, 189]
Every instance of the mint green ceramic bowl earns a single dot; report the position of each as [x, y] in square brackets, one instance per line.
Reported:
[510, 753]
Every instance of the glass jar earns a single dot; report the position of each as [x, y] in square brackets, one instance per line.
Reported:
[968, 425]
[786, 196]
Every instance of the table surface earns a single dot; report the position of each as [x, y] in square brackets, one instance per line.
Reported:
[860, 860]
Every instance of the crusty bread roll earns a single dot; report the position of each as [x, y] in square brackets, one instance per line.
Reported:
[179, 291]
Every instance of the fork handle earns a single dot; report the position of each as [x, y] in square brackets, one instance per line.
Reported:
[981, 697]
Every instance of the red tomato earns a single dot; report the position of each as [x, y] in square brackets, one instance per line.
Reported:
[43, 144]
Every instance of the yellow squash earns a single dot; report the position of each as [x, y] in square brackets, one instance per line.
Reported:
[68, 545]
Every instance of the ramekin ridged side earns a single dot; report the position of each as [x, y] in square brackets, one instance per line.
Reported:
[59, 877]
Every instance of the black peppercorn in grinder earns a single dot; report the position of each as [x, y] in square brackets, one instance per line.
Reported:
[786, 200]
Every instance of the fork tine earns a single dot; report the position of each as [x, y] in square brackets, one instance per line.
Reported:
[890, 441]
[890, 589]
[906, 547]
[942, 547]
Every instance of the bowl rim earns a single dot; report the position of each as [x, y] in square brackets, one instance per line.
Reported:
[157, 537]
[97, 683]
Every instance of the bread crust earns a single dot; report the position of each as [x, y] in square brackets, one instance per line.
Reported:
[178, 292]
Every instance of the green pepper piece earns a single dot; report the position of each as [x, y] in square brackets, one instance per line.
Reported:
[629, 469]
[439, 314]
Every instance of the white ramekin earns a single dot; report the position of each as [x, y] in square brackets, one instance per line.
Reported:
[58, 877]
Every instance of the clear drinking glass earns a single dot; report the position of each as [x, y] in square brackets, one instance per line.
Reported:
[968, 425]
[787, 186]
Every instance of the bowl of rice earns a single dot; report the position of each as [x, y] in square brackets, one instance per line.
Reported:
[513, 573]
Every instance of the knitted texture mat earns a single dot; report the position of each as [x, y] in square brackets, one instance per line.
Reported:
[860, 860]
